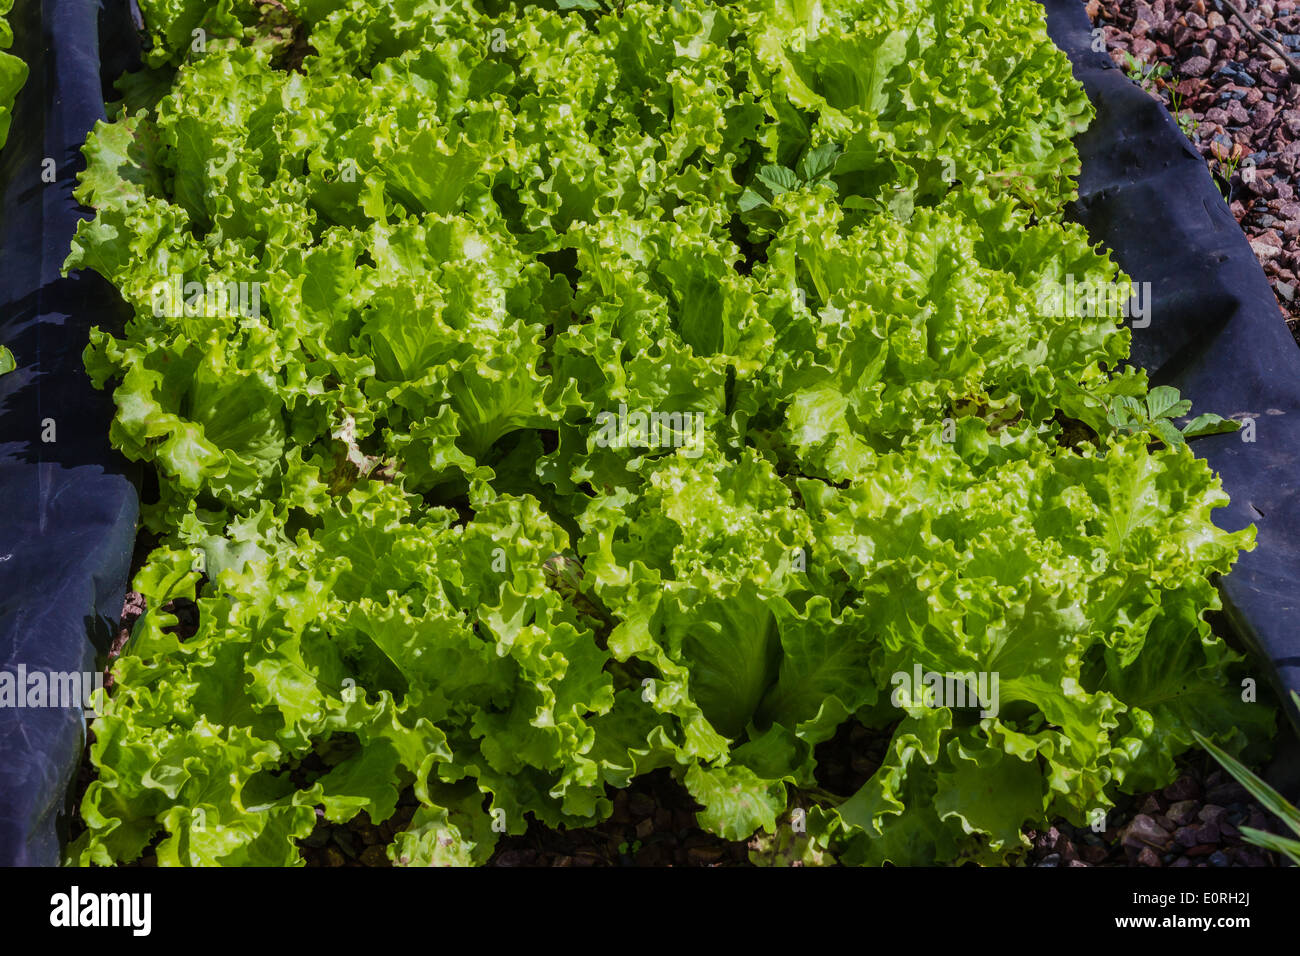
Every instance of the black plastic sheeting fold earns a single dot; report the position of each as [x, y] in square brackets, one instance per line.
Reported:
[67, 507]
[1215, 331]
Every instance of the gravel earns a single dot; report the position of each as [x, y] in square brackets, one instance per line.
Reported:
[1192, 822]
[1240, 108]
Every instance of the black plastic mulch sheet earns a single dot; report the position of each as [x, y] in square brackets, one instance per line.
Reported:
[1214, 332]
[67, 508]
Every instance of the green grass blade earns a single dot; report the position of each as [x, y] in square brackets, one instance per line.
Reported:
[1266, 795]
[1271, 841]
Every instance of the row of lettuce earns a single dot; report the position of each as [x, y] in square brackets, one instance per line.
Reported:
[410, 281]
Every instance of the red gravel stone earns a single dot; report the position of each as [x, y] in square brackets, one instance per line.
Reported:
[1208, 55]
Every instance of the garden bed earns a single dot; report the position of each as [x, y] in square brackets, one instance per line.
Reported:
[895, 454]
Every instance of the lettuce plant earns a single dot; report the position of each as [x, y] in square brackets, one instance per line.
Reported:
[616, 387]
[13, 71]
